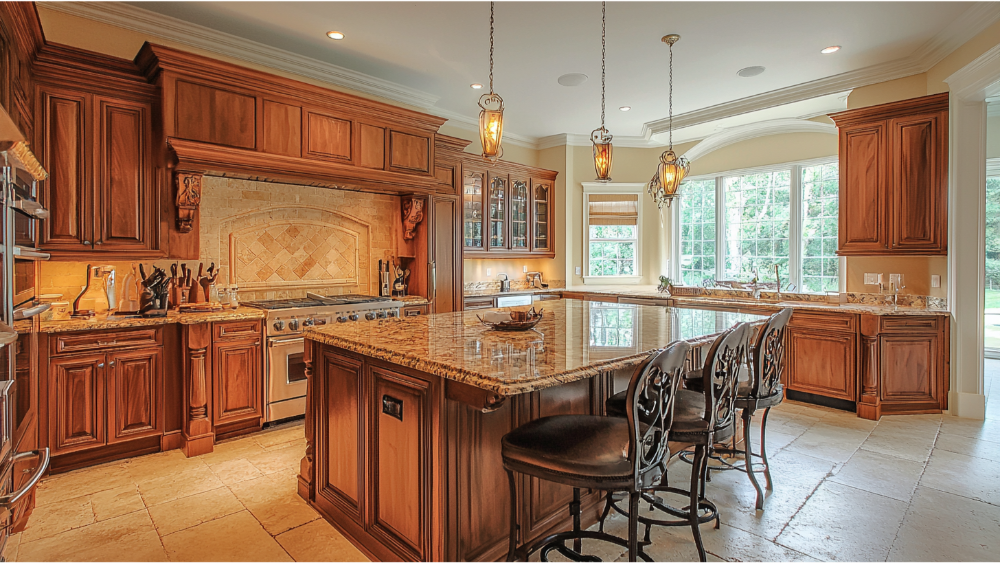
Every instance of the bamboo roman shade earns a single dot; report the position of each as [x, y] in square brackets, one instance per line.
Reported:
[613, 209]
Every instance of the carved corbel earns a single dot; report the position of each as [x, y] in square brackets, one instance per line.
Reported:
[413, 214]
[188, 200]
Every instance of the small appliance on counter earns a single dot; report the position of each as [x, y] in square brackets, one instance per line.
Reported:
[504, 283]
[535, 280]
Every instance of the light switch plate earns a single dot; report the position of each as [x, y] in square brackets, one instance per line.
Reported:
[578, 270]
[525, 269]
[489, 271]
[935, 281]
[871, 279]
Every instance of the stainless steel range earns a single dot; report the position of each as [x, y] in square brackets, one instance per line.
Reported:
[284, 369]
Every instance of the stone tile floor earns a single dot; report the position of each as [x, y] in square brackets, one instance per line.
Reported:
[912, 488]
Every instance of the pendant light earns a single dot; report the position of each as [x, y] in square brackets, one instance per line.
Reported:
[601, 137]
[491, 116]
[672, 169]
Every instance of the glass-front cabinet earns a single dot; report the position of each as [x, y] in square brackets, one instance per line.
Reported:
[507, 211]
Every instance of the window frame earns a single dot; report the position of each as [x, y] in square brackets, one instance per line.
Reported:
[796, 219]
[617, 188]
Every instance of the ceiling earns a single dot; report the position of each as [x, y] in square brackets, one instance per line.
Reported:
[440, 48]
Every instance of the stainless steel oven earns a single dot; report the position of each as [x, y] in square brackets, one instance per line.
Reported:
[286, 384]
[21, 218]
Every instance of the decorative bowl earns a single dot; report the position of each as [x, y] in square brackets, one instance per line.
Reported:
[519, 320]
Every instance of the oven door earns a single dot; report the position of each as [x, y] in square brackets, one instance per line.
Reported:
[286, 378]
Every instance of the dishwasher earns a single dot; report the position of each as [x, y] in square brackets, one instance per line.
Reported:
[514, 300]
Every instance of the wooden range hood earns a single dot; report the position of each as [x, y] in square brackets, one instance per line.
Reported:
[222, 119]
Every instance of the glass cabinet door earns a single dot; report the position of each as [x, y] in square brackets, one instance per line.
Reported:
[498, 211]
[540, 216]
[518, 215]
[472, 209]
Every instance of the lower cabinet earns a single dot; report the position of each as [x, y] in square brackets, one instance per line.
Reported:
[77, 415]
[134, 402]
[822, 354]
[237, 380]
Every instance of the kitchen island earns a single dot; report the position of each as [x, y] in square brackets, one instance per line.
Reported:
[404, 418]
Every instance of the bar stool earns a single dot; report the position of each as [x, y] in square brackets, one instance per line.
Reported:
[597, 452]
[701, 420]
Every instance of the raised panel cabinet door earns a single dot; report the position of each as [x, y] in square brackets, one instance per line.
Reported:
[340, 470]
[822, 362]
[909, 365]
[76, 390]
[134, 380]
[918, 155]
[282, 129]
[328, 137]
[863, 193]
[401, 461]
[237, 381]
[213, 115]
[473, 208]
[65, 149]
[409, 152]
[124, 196]
[541, 217]
[446, 277]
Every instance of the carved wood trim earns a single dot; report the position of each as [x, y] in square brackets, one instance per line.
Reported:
[307, 489]
[413, 214]
[198, 398]
[188, 200]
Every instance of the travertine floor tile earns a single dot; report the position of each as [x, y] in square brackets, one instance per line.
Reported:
[280, 436]
[235, 471]
[175, 515]
[881, 474]
[283, 460]
[908, 442]
[240, 448]
[81, 483]
[237, 537]
[318, 541]
[126, 538]
[832, 444]
[116, 502]
[944, 527]
[845, 524]
[191, 480]
[959, 444]
[970, 477]
[10, 550]
[55, 518]
[273, 500]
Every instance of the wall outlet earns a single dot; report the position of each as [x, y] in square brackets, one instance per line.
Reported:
[525, 269]
[578, 270]
[935, 281]
[489, 271]
[896, 279]
[871, 279]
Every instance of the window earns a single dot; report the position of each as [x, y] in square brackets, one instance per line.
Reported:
[612, 235]
[736, 226]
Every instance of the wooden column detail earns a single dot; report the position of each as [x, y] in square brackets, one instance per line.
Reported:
[869, 404]
[188, 200]
[307, 481]
[413, 214]
[199, 437]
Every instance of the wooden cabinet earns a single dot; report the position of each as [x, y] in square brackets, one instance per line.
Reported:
[822, 354]
[133, 380]
[77, 403]
[893, 178]
[237, 380]
[445, 255]
[472, 303]
[100, 190]
[507, 211]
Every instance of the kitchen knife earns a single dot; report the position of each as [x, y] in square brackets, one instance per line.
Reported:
[210, 268]
[142, 272]
[201, 270]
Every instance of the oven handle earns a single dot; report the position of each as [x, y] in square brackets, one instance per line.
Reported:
[28, 312]
[273, 343]
[7, 502]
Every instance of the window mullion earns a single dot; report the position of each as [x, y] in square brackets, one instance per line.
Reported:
[795, 215]
[720, 228]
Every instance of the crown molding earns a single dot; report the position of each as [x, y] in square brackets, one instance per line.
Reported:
[749, 131]
[157, 25]
[574, 140]
[973, 21]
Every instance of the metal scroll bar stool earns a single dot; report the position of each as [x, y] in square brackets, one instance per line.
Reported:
[701, 419]
[762, 391]
[598, 452]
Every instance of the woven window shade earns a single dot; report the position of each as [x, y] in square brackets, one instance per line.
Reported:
[613, 209]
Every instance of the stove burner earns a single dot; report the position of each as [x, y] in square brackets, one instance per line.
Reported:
[298, 303]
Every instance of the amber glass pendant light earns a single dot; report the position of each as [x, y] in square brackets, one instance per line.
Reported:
[491, 114]
[603, 151]
[672, 169]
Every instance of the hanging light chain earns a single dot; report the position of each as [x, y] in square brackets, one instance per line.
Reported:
[670, 107]
[491, 47]
[603, 54]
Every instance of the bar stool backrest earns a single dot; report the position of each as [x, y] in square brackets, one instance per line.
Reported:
[720, 376]
[769, 355]
[649, 406]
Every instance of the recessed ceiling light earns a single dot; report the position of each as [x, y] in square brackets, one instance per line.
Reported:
[572, 79]
[334, 35]
[830, 49]
[750, 71]
[625, 108]
[476, 86]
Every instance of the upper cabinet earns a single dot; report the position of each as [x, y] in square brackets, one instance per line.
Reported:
[894, 178]
[506, 211]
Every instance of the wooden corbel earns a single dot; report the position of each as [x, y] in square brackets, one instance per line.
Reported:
[413, 214]
[188, 200]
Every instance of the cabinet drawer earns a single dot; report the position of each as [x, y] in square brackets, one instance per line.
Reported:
[414, 311]
[237, 329]
[90, 341]
[847, 322]
[906, 324]
[479, 303]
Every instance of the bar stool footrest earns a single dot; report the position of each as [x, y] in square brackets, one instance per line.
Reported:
[556, 542]
[712, 513]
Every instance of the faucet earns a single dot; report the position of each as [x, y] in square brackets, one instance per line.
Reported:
[895, 292]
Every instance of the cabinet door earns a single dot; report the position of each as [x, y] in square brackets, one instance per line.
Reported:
[65, 148]
[134, 394]
[519, 193]
[340, 450]
[496, 196]
[447, 256]
[863, 201]
[473, 182]
[822, 362]
[541, 234]
[918, 153]
[123, 195]
[238, 381]
[76, 403]
[909, 370]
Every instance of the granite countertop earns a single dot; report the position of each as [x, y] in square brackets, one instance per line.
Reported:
[575, 340]
[103, 322]
[412, 300]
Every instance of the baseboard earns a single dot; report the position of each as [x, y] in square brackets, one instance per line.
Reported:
[967, 405]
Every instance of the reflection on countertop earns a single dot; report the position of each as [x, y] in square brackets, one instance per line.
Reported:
[575, 340]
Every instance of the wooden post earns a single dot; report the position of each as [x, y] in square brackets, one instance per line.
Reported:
[306, 478]
[869, 404]
[199, 437]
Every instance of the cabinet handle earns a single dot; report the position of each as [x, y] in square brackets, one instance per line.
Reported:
[100, 365]
[86, 242]
[111, 365]
[98, 242]
[112, 343]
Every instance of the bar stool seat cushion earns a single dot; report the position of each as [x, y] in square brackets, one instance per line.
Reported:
[744, 401]
[577, 450]
[689, 409]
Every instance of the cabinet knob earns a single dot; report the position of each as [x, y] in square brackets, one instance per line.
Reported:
[98, 242]
[111, 365]
[100, 365]
[87, 242]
